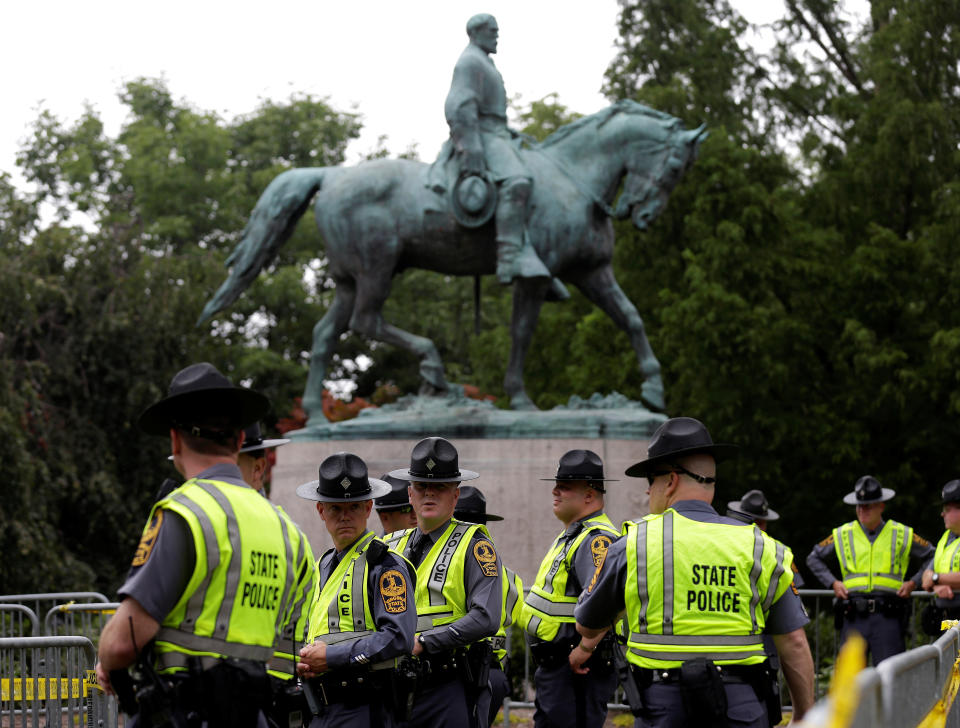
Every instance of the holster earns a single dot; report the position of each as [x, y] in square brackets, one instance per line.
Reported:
[231, 693]
[475, 667]
[704, 698]
[402, 686]
[288, 706]
[769, 692]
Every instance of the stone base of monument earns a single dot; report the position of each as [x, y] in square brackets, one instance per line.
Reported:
[510, 467]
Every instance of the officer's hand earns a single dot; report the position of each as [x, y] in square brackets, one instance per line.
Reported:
[943, 591]
[473, 161]
[417, 648]
[578, 656]
[313, 659]
[905, 588]
[103, 679]
[840, 590]
[927, 581]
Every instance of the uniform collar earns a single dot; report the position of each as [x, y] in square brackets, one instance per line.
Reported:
[574, 528]
[224, 472]
[359, 538]
[875, 531]
[693, 506]
[435, 533]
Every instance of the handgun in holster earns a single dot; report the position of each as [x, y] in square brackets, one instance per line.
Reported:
[141, 691]
[625, 675]
[403, 685]
[703, 694]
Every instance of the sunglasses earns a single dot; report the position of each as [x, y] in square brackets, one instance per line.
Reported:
[680, 469]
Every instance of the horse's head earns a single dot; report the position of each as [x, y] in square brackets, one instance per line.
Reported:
[657, 152]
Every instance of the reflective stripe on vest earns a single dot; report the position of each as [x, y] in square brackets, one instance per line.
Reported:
[440, 598]
[947, 556]
[293, 628]
[877, 566]
[509, 610]
[342, 610]
[237, 593]
[687, 601]
[548, 605]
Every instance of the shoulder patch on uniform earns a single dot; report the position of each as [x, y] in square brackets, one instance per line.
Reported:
[828, 541]
[920, 540]
[148, 540]
[598, 548]
[393, 591]
[486, 556]
[596, 572]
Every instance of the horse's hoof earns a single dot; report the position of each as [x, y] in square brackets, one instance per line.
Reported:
[522, 402]
[651, 394]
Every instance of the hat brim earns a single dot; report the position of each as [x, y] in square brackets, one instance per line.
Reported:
[267, 443]
[585, 480]
[851, 498]
[404, 474]
[719, 452]
[308, 491]
[158, 418]
[391, 507]
[476, 517]
[737, 506]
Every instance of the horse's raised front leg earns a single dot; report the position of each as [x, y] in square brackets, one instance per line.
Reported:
[368, 320]
[601, 287]
[326, 334]
[528, 295]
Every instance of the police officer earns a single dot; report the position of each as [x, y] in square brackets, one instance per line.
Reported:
[942, 573]
[394, 509]
[873, 556]
[211, 578]
[362, 618]
[699, 589]
[565, 699]
[459, 589]
[472, 508]
[754, 508]
[287, 708]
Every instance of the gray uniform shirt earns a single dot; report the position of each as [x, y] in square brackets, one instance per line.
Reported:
[583, 568]
[484, 598]
[158, 584]
[955, 602]
[396, 626]
[599, 608]
[823, 557]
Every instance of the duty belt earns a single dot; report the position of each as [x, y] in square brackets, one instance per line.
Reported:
[353, 687]
[732, 674]
[860, 606]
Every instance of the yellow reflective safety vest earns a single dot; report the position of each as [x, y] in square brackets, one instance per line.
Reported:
[511, 609]
[293, 631]
[238, 594]
[440, 593]
[696, 589]
[548, 605]
[878, 566]
[947, 556]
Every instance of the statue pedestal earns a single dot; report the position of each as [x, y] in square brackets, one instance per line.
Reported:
[510, 471]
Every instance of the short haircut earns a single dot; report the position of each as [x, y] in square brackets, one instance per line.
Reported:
[477, 22]
[211, 436]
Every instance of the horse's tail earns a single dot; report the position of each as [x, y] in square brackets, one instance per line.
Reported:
[271, 223]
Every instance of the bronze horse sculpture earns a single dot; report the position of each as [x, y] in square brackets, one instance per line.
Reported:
[380, 217]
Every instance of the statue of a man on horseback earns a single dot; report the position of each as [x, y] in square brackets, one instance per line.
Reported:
[483, 151]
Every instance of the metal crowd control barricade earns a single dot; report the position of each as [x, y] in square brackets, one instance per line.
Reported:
[49, 681]
[86, 620]
[41, 603]
[17, 620]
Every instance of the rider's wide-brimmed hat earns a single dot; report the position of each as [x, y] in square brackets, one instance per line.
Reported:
[343, 479]
[200, 392]
[253, 440]
[397, 498]
[582, 465]
[434, 459]
[676, 438]
[472, 506]
[473, 199]
[867, 490]
[754, 505]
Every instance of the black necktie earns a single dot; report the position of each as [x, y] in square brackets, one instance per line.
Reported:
[416, 551]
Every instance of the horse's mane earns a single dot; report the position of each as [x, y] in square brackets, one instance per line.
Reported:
[627, 106]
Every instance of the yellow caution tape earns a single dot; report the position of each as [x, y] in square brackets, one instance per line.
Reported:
[937, 718]
[843, 694]
[42, 688]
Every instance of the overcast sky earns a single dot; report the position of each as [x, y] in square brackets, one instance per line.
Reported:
[391, 61]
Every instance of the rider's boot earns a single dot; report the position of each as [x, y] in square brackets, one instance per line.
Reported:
[516, 258]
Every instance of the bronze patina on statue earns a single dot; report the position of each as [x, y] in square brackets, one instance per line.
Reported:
[534, 214]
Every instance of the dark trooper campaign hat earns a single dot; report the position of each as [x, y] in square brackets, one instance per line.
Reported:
[754, 505]
[472, 506]
[253, 439]
[200, 391]
[397, 498]
[868, 490]
[951, 492]
[582, 465]
[434, 459]
[676, 438]
[343, 479]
